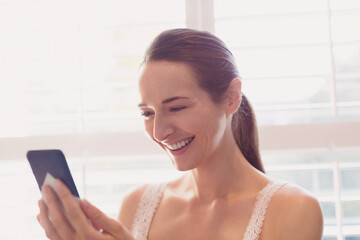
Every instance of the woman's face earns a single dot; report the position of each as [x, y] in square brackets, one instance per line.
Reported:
[179, 115]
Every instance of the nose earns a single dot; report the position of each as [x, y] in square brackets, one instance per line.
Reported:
[162, 128]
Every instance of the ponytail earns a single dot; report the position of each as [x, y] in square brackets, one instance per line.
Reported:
[214, 67]
[245, 132]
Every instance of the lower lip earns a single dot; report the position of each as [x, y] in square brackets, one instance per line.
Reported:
[181, 151]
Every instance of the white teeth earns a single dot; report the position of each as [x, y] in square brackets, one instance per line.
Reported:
[180, 145]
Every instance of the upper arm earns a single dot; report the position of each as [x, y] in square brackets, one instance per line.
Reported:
[296, 215]
[129, 205]
[305, 219]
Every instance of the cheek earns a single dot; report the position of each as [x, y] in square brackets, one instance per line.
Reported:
[220, 127]
[189, 123]
[213, 129]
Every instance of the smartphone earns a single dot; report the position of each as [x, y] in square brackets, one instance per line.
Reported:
[53, 162]
[48, 165]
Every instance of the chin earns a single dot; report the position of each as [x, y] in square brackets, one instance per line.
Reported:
[183, 169]
[181, 166]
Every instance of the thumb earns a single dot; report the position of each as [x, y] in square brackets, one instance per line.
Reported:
[101, 221]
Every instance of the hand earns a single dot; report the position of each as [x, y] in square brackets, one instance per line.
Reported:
[76, 225]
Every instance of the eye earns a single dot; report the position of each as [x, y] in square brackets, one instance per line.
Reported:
[176, 109]
[146, 113]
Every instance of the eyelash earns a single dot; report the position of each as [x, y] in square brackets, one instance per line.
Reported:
[176, 109]
[173, 109]
[146, 114]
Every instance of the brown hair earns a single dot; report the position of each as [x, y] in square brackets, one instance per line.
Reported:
[215, 67]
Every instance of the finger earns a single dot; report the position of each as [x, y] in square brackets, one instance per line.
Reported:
[58, 219]
[45, 223]
[101, 221]
[83, 206]
[75, 215]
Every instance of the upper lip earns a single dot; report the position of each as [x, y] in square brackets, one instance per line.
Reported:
[175, 142]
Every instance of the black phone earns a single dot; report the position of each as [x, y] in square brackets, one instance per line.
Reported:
[53, 162]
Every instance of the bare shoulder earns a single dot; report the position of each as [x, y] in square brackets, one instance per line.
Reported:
[129, 205]
[295, 214]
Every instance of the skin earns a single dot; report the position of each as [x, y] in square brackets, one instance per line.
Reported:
[214, 198]
[76, 225]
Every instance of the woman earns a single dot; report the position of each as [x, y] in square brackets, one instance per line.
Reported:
[193, 107]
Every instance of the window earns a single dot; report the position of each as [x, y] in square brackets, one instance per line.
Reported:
[68, 74]
[68, 69]
[305, 48]
[291, 45]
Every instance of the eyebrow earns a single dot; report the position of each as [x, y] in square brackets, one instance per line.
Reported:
[168, 100]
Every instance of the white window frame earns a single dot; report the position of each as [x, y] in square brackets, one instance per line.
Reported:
[200, 15]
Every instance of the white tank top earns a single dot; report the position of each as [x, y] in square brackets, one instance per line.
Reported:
[152, 195]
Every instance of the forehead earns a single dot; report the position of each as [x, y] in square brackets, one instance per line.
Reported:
[164, 79]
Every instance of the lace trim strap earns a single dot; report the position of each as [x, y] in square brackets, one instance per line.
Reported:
[146, 210]
[263, 198]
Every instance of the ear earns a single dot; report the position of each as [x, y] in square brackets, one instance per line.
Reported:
[233, 96]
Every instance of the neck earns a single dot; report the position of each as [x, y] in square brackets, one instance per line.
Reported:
[227, 172]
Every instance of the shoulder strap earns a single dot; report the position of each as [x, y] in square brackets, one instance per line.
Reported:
[263, 198]
[146, 210]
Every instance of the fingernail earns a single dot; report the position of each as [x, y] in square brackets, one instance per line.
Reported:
[45, 189]
[58, 185]
[85, 203]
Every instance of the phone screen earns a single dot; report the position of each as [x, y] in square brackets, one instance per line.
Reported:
[53, 162]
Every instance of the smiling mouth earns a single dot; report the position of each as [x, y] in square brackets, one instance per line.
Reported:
[180, 145]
